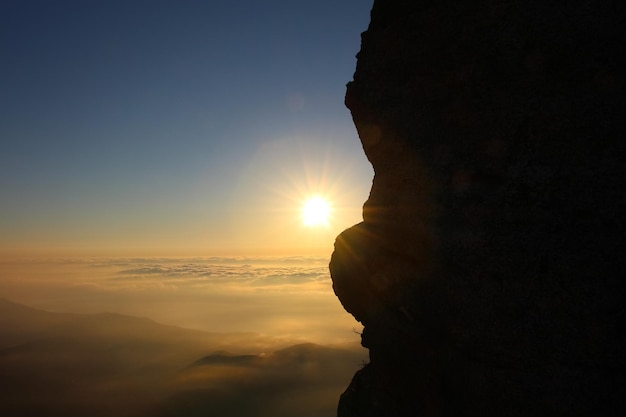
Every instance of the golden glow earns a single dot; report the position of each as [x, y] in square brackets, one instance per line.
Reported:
[315, 212]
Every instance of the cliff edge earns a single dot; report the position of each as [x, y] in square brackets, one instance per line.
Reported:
[488, 267]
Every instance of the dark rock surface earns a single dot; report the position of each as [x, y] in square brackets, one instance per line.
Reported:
[488, 271]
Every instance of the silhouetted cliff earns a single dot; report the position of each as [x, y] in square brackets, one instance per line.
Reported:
[488, 269]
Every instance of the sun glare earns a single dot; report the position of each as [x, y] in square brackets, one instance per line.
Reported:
[315, 212]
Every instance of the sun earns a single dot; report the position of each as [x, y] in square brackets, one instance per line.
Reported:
[315, 212]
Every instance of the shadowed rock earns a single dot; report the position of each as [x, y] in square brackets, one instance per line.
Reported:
[488, 268]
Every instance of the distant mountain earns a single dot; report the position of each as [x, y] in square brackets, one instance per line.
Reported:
[228, 359]
[60, 364]
[20, 324]
[73, 364]
[303, 380]
[18, 316]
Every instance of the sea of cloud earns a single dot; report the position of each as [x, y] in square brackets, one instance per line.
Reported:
[252, 357]
[282, 297]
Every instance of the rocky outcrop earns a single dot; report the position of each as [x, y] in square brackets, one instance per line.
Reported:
[488, 269]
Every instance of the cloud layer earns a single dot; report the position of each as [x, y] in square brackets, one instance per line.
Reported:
[113, 365]
[279, 297]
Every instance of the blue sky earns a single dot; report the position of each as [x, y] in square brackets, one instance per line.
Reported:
[176, 127]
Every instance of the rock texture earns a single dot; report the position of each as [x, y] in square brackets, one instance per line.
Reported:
[488, 271]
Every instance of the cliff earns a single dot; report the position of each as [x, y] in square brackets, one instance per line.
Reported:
[488, 269]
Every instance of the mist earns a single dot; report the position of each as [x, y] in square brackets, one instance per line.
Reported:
[163, 337]
[280, 297]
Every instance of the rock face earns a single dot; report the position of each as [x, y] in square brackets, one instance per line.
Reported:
[488, 269]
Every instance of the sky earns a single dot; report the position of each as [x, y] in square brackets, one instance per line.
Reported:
[155, 157]
[177, 128]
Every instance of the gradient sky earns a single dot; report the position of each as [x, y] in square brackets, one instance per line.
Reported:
[176, 128]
